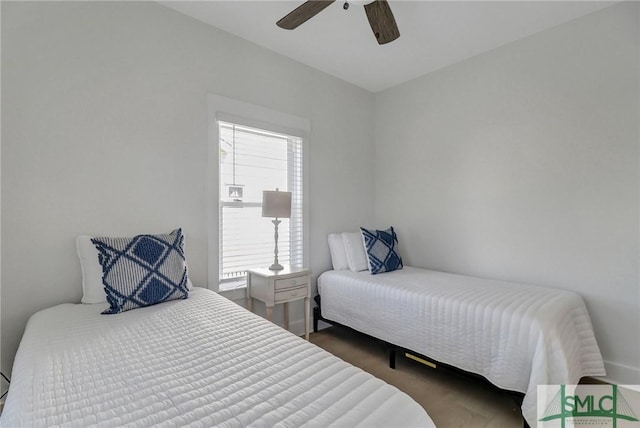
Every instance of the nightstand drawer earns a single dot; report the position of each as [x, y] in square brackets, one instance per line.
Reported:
[294, 293]
[281, 284]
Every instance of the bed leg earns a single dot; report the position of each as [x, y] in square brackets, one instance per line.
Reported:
[316, 316]
[392, 356]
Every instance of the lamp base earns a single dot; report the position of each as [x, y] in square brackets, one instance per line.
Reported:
[276, 266]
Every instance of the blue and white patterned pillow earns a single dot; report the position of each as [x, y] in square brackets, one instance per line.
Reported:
[382, 250]
[143, 270]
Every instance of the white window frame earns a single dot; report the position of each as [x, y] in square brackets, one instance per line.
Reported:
[292, 247]
[229, 110]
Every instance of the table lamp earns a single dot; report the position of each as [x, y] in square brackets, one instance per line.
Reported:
[278, 205]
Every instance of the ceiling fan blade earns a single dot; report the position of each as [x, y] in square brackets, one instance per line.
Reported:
[302, 13]
[382, 21]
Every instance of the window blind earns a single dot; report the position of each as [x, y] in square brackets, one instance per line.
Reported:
[253, 160]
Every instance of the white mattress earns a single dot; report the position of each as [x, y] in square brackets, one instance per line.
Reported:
[203, 361]
[517, 336]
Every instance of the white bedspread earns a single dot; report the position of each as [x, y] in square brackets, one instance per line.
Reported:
[517, 336]
[203, 362]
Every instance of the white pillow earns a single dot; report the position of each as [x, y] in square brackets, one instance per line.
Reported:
[354, 247]
[92, 287]
[338, 253]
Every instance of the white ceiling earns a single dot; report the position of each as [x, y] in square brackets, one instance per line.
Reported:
[433, 34]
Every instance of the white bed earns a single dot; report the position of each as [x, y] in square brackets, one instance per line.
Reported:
[517, 336]
[203, 361]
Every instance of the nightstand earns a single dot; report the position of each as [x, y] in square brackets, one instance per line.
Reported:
[284, 286]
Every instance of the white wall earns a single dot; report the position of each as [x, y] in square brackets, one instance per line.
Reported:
[104, 126]
[522, 164]
[519, 164]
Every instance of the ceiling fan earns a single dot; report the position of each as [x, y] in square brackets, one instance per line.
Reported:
[378, 13]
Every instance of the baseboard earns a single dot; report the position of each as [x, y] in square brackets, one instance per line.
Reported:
[322, 325]
[620, 374]
[297, 327]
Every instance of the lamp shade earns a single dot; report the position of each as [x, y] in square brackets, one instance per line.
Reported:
[276, 204]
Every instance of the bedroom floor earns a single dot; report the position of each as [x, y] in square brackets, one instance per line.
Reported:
[450, 399]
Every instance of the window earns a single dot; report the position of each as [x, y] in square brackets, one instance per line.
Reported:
[253, 160]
